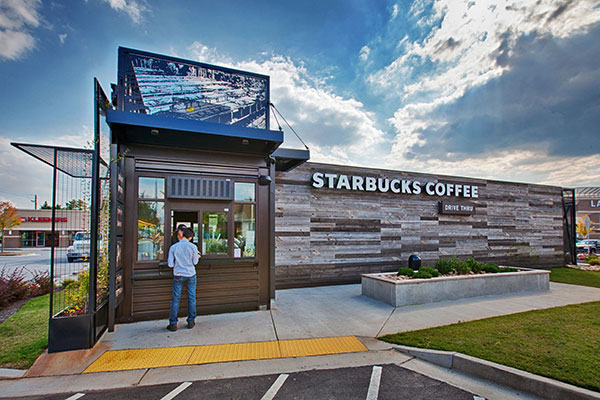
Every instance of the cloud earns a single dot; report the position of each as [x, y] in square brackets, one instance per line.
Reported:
[62, 37]
[134, 9]
[364, 53]
[395, 10]
[334, 127]
[17, 19]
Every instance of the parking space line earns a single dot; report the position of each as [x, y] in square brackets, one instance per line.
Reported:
[275, 387]
[176, 391]
[76, 396]
[374, 385]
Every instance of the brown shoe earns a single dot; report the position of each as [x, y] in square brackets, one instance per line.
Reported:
[191, 324]
[172, 327]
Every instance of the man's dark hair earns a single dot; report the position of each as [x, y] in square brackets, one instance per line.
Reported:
[181, 227]
[188, 233]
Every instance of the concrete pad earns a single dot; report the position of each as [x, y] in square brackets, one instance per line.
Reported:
[267, 367]
[10, 373]
[255, 326]
[327, 311]
[66, 362]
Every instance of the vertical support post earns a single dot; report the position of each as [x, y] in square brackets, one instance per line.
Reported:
[574, 230]
[52, 246]
[112, 265]
[271, 165]
[94, 214]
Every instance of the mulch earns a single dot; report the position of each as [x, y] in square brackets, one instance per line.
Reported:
[10, 309]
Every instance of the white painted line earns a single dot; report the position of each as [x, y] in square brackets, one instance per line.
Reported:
[176, 391]
[76, 396]
[275, 387]
[374, 385]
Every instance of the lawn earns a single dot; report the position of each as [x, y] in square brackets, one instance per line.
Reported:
[561, 343]
[575, 276]
[24, 335]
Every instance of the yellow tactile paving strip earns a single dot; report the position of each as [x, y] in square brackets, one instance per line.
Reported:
[120, 360]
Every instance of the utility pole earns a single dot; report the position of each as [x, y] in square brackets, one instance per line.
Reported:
[35, 201]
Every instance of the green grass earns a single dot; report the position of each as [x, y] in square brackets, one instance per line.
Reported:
[24, 335]
[561, 343]
[575, 276]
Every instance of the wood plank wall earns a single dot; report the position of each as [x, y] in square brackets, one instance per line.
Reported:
[327, 236]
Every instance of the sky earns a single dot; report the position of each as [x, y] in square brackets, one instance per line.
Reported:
[505, 90]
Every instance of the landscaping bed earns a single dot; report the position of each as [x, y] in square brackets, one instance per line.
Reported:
[451, 279]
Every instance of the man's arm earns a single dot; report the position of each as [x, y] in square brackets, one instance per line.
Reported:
[195, 254]
[171, 258]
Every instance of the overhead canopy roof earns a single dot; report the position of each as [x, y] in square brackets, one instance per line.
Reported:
[286, 159]
[175, 132]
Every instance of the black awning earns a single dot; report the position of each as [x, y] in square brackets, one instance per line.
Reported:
[287, 159]
[174, 132]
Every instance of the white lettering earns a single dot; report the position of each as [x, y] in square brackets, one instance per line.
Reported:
[343, 182]
[394, 185]
[467, 191]
[405, 187]
[318, 180]
[429, 188]
[474, 192]
[449, 188]
[383, 184]
[357, 183]
[330, 180]
[458, 189]
[416, 187]
[440, 189]
[370, 184]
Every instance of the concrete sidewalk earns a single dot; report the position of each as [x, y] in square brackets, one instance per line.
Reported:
[311, 313]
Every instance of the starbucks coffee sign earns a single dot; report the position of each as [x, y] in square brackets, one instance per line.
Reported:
[397, 185]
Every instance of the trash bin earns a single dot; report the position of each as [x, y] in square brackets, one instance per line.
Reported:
[414, 262]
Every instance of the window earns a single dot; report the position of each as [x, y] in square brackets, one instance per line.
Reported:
[151, 219]
[244, 240]
[214, 233]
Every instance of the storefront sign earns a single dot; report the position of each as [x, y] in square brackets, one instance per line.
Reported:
[456, 208]
[43, 219]
[383, 185]
[595, 203]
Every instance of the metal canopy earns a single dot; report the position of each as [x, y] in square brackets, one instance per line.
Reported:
[74, 162]
[287, 159]
[174, 132]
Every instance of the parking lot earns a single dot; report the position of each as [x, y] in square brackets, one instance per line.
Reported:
[368, 382]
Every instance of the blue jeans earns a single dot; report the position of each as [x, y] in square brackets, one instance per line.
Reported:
[190, 282]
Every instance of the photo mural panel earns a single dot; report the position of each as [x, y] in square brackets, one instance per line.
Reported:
[161, 85]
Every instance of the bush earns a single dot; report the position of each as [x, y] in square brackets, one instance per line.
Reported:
[462, 267]
[491, 268]
[406, 271]
[475, 265]
[508, 269]
[594, 261]
[13, 286]
[42, 284]
[422, 275]
[434, 272]
[445, 265]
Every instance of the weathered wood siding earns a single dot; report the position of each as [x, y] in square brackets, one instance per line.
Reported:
[326, 236]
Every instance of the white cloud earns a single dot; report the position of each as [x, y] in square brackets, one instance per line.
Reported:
[395, 10]
[62, 37]
[17, 18]
[134, 9]
[334, 127]
[364, 53]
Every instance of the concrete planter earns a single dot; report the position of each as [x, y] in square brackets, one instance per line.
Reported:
[421, 291]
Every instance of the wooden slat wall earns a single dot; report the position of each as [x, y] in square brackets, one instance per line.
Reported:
[326, 236]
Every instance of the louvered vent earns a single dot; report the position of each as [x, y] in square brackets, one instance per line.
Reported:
[184, 187]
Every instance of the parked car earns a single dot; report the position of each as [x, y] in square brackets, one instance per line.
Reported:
[80, 249]
[590, 242]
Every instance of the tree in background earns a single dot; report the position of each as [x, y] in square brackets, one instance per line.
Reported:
[582, 230]
[8, 218]
[76, 205]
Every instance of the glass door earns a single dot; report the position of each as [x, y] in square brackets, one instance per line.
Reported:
[215, 241]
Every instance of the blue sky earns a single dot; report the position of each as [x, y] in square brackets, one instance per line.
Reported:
[494, 89]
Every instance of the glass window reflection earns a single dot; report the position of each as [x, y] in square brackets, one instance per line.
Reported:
[245, 231]
[151, 188]
[151, 228]
[244, 191]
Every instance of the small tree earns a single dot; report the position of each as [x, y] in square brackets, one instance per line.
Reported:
[76, 204]
[582, 230]
[8, 219]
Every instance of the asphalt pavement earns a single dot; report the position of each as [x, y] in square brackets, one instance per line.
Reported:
[37, 260]
[367, 382]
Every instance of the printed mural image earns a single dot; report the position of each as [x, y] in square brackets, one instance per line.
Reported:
[166, 87]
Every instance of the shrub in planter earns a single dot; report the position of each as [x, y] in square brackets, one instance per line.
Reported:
[406, 271]
[42, 284]
[508, 269]
[434, 272]
[445, 265]
[475, 265]
[594, 261]
[491, 268]
[462, 268]
[421, 274]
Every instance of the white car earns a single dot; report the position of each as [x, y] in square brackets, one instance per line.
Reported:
[80, 249]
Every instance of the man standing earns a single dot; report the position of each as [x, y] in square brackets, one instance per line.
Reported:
[183, 257]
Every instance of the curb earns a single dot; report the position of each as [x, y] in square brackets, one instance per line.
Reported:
[501, 374]
[9, 373]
